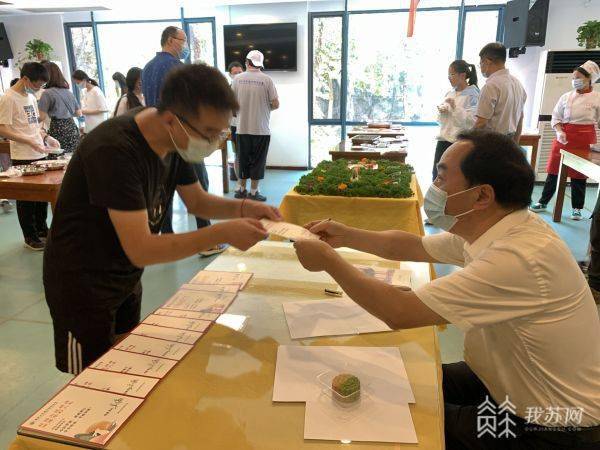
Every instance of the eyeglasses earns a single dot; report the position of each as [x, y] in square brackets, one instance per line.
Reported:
[179, 39]
[221, 136]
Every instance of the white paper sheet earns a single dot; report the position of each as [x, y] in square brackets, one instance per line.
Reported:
[335, 317]
[200, 301]
[381, 368]
[168, 334]
[369, 421]
[117, 383]
[216, 277]
[145, 345]
[180, 323]
[83, 415]
[125, 362]
[395, 277]
[288, 230]
[186, 314]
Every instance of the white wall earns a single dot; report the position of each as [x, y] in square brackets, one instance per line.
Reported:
[561, 34]
[47, 27]
[289, 126]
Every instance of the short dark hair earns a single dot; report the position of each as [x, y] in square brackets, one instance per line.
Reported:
[56, 77]
[497, 160]
[35, 71]
[170, 31]
[189, 86]
[494, 51]
[234, 64]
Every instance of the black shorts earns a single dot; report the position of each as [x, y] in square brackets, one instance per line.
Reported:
[234, 138]
[253, 151]
[86, 322]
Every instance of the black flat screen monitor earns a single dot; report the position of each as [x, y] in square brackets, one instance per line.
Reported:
[276, 41]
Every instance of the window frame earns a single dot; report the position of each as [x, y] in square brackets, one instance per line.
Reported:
[342, 121]
[181, 21]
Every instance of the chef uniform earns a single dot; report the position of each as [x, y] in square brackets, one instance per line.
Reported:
[577, 113]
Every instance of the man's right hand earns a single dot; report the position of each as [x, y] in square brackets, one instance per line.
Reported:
[243, 233]
[334, 233]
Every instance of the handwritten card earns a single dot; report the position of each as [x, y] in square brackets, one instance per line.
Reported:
[215, 277]
[230, 288]
[145, 345]
[186, 314]
[168, 334]
[82, 415]
[287, 230]
[200, 301]
[117, 383]
[125, 362]
[180, 323]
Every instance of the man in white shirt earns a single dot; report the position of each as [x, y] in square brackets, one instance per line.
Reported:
[257, 97]
[532, 333]
[19, 122]
[502, 98]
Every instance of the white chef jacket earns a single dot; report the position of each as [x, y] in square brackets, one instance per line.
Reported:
[532, 331]
[577, 109]
[461, 117]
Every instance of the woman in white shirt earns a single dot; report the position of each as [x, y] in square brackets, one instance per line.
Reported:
[457, 112]
[574, 119]
[134, 97]
[93, 101]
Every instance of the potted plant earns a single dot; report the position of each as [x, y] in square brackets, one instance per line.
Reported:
[38, 49]
[588, 34]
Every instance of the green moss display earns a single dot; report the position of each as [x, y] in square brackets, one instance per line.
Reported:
[391, 179]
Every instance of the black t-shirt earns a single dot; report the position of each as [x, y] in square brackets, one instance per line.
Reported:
[114, 167]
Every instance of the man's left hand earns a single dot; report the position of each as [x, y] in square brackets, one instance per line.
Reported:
[314, 255]
[258, 210]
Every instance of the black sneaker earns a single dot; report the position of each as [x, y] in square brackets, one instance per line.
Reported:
[257, 197]
[43, 236]
[240, 194]
[34, 244]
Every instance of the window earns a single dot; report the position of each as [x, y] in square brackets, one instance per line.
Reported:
[200, 35]
[83, 50]
[392, 77]
[326, 67]
[137, 43]
[480, 28]
[322, 139]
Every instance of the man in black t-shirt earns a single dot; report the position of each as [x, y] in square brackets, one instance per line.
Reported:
[112, 204]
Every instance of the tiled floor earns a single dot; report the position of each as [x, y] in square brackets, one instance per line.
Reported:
[27, 372]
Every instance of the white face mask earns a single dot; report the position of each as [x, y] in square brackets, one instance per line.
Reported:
[197, 148]
[578, 83]
[435, 207]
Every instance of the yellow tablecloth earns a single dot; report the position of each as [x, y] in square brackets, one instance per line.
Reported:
[219, 396]
[375, 214]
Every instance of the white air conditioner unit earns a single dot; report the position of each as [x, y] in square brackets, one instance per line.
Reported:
[554, 79]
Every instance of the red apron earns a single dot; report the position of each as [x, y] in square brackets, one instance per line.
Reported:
[579, 138]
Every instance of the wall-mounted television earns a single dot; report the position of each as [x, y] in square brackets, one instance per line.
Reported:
[277, 41]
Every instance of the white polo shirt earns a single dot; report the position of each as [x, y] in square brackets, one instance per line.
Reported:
[531, 326]
[501, 102]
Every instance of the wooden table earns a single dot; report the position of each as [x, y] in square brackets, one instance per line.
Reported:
[37, 188]
[220, 395]
[224, 165]
[383, 132]
[588, 165]
[4, 146]
[344, 151]
[533, 140]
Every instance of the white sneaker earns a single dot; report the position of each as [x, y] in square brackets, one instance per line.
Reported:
[6, 206]
[576, 214]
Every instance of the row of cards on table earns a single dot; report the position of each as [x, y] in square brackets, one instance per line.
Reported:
[92, 407]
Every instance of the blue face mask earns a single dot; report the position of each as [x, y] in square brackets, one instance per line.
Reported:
[435, 207]
[184, 53]
[30, 91]
[578, 83]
